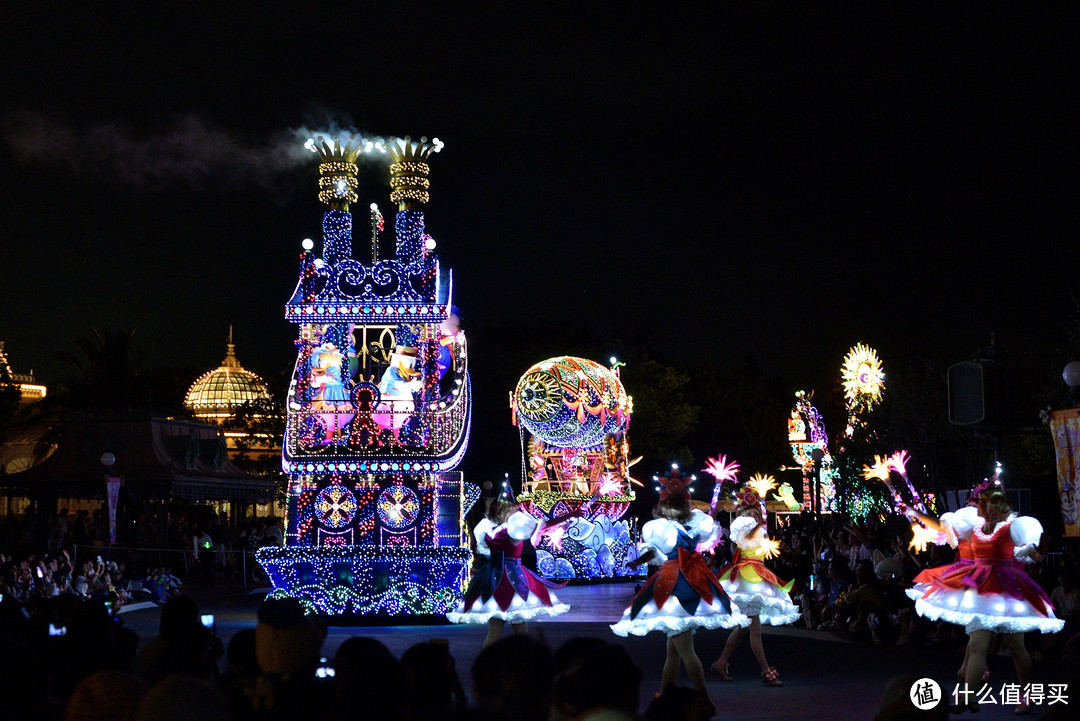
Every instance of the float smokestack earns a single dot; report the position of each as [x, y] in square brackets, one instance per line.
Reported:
[409, 172]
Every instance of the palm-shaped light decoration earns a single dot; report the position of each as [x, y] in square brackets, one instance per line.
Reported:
[723, 471]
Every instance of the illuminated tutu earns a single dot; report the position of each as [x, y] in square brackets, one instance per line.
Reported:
[993, 592]
[501, 587]
[962, 522]
[683, 594]
[755, 589]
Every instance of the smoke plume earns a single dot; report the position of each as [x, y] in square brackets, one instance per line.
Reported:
[189, 151]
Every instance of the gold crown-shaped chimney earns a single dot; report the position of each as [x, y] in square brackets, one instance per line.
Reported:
[408, 173]
[337, 171]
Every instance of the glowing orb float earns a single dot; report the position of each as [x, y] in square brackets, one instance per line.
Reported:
[571, 402]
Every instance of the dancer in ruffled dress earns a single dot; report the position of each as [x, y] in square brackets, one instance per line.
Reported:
[993, 594]
[957, 527]
[502, 590]
[683, 595]
[755, 589]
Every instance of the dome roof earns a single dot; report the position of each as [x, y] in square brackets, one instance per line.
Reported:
[219, 392]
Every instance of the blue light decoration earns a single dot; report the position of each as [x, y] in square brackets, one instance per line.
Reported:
[578, 414]
[376, 424]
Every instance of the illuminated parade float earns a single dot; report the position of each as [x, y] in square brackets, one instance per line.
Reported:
[577, 414]
[810, 447]
[863, 382]
[379, 408]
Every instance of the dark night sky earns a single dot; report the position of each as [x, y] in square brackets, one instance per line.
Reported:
[757, 182]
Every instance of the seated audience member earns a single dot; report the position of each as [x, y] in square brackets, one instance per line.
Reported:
[512, 679]
[432, 669]
[679, 703]
[182, 698]
[287, 649]
[183, 645]
[106, 695]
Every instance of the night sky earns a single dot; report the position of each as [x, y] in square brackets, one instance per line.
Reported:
[764, 183]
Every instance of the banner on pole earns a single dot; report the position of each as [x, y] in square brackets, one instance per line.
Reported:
[113, 486]
[1065, 427]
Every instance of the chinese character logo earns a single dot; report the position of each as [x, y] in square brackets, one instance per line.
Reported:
[925, 694]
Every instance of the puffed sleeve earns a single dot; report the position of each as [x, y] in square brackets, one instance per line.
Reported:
[660, 535]
[702, 527]
[962, 522]
[521, 526]
[480, 533]
[1025, 532]
[741, 530]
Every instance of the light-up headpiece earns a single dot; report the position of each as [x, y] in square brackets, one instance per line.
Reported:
[674, 484]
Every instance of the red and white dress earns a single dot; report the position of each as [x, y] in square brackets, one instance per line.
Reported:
[993, 592]
[683, 595]
[501, 587]
[755, 589]
[958, 527]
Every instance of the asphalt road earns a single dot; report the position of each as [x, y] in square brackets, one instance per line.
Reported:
[826, 677]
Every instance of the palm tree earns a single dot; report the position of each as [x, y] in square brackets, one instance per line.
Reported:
[108, 382]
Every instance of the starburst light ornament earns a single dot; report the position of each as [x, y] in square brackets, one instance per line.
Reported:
[769, 548]
[862, 378]
[880, 470]
[554, 535]
[722, 470]
[921, 536]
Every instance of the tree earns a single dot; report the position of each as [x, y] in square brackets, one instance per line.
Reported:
[664, 417]
[257, 431]
[108, 381]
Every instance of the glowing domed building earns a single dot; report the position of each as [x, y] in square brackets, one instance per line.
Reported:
[29, 390]
[217, 394]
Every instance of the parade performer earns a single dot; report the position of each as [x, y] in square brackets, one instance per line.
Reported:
[993, 594]
[502, 590]
[755, 590]
[957, 526]
[683, 595]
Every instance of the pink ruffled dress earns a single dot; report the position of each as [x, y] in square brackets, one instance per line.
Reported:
[993, 592]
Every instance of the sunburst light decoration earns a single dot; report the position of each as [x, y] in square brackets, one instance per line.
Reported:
[762, 484]
[862, 377]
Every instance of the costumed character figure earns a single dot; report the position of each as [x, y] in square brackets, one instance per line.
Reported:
[683, 595]
[331, 400]
[448, 336]
[396, 388]
[993, 594]
[502, 590]
[754, 588]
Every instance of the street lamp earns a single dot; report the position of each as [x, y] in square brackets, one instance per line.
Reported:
[818, 455]
[1071, 374]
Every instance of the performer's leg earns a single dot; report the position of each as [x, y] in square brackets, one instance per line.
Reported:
[495, 629]
[520, 627]
[671, 666]
[978, 645]
[1021, 658]
[962, 673]
[755, 642]
[684, 645]
[720, 667]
